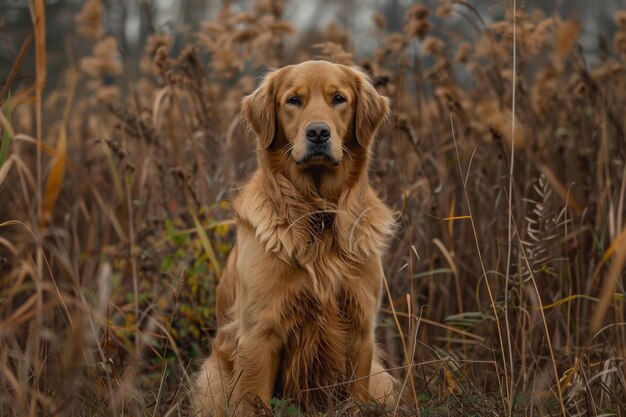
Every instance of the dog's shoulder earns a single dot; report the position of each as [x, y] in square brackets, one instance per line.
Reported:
[364, 223]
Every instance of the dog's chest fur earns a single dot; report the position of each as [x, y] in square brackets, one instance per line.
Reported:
[329, 240]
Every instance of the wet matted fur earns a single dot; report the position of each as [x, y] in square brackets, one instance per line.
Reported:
[298, 300]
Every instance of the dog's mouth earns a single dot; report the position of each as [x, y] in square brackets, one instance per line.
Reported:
[318, 155]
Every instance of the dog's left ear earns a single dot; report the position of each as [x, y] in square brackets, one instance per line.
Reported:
[257, 110]
[372, 109]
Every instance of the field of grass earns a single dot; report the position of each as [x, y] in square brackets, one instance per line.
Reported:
[504, 159]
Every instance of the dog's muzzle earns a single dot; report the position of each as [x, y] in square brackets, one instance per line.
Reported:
[318, 144]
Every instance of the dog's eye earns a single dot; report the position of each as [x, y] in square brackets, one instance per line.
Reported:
[294, 100]
[338, 99]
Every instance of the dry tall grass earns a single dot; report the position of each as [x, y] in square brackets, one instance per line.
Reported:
[505, 292]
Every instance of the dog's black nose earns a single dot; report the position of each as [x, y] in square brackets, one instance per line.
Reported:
[318, 132]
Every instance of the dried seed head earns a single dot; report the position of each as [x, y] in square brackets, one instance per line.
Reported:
[432, 46]
[484, 46]
[245, 35]
[264, 46]
[379, 20]
[607, 70]
[565, 39]
[416, 11]
[448, 95]
[395, 42]
[515, 14]
[501, 28]
[188, 55]
[160, 56]
[243, 18]
[334, 53]
[417, 28]
[620, 19]
[89, 20]
[506, 74]
[155, 42]
[211, 28]
[537, 15]
[463, 52]
[108, 94]
[445, 10]
[439, 72]
[544, 90]
[541, 36]
[106, 59]
[226, 61]
[336, 34]
[619, 42]
[280, 27]
[273, 7]
[499, 120]
[578, 86]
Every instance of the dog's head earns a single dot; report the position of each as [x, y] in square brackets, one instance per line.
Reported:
[315, 122]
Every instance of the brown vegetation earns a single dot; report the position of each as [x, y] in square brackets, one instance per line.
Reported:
[505, 279]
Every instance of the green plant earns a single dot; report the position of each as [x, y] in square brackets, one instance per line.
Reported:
[283, 407]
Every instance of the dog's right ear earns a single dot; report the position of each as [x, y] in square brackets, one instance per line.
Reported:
[258, 111]
[372, 109]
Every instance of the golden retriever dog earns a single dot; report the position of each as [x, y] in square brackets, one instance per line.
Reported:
[298, 301]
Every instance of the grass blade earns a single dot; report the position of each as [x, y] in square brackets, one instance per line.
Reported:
[206, 244]
[19, 59]
[7, 133]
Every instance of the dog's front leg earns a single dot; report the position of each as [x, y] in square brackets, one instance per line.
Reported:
[362, 354]
[260, 335]
[256, 366]
[361, 307]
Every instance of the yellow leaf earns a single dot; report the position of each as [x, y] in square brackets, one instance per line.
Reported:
[610, 284]
[55, 180]
[568, 377]
[607, 255]
[57, 173]
[456, 218]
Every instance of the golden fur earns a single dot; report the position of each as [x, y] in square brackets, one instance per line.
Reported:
[298, 300]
